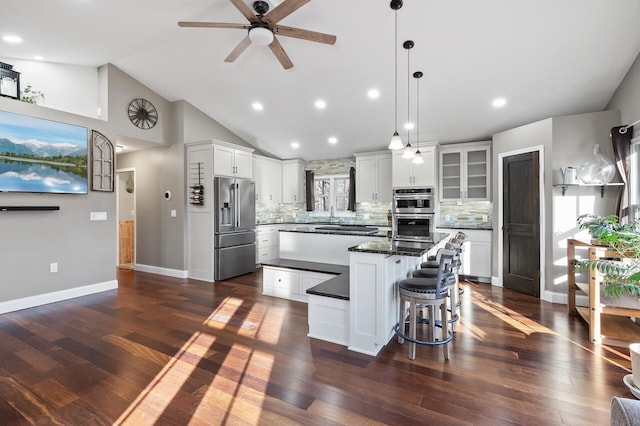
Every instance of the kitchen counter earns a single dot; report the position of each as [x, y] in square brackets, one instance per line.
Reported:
[343, 231]
[399, 248]
[466, 226]
[276, 222]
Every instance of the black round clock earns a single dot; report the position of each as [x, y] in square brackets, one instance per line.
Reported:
[142, 113]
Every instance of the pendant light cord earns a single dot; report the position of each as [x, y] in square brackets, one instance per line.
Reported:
[396, 75]
[408, 97]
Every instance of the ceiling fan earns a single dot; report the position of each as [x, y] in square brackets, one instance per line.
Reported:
[262, 28]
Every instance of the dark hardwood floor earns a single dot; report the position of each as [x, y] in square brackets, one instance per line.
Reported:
[169, 351]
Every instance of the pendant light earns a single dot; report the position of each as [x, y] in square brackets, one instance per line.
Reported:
[408, 149]
[417, 158]
[396, 142]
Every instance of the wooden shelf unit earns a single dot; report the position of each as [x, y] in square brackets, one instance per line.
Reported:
[600, 316]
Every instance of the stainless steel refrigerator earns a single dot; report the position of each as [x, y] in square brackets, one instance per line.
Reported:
[234, 231]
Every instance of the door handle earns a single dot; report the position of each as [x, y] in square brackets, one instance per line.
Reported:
[505, 229]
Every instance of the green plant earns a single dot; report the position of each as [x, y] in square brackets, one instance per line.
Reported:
[622, 273]
[31, 96]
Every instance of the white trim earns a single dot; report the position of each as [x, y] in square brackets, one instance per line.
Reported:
[496, 281]
[175, 273]
[542, 229]
[56, 296]
[562, 298]
[135, 213]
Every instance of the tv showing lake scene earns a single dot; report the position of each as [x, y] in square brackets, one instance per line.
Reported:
[38, 155]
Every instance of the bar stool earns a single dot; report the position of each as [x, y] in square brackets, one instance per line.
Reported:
[429, 269]
[426, 293]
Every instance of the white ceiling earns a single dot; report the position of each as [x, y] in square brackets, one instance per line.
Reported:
[546, 57]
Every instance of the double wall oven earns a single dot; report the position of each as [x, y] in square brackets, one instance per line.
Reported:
[413, 214]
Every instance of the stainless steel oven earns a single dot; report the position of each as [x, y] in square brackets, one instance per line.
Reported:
[413, 200]
[412, 227]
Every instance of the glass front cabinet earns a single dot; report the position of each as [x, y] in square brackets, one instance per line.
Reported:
[465, 171]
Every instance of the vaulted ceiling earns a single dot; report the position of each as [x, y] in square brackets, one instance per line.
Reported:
[544, 57]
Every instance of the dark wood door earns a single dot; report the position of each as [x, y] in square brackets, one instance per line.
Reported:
[521, 229]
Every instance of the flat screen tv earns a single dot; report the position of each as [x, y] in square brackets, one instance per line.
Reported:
[38, 155]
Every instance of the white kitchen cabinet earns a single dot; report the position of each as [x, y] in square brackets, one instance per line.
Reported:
[232, 160]
[373, 177]
[267, 173]
[293, 181]
[465, 172]
[290, 283]
[373, 301]
[476, 253]
[267, 239]
[407, 174]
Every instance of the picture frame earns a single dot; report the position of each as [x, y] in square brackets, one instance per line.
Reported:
[102, 163]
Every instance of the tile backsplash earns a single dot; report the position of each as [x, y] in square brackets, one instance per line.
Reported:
[468, 213]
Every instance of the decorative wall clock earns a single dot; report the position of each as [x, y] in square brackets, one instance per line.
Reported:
[142, 113]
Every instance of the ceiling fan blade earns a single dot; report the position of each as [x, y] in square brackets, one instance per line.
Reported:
[241, 47]
[305, 34]
[284, 9]
[245, 10]
[282, 56]
[212, 25]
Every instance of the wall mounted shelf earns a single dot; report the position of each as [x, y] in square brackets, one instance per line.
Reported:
[584, 185]
[27, 208]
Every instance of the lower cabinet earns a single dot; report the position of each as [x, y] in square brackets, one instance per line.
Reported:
[290, 283]
[373, 309]
[476, 253]
[329, 319]
[267, 243]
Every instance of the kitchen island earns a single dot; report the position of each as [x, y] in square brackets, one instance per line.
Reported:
[360, 311]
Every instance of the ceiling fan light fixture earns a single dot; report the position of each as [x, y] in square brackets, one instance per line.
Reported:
[261, 36]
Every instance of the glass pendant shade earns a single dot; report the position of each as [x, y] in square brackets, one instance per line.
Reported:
[417, 158]
[408, 151]
[598, 170]
[396, 142]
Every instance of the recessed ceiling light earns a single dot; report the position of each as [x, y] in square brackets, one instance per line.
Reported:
[295, 145]
[39, 58]
[320, 104]
[257, 106]
[409, 126]
[13, 39]
[373, 94]
[333, 140]
[499, 102]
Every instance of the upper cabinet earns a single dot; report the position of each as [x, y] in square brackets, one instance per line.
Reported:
[232, 160]
[293, 181]
[267, 172]
[465, 171]
[373, 177]
[407, 174]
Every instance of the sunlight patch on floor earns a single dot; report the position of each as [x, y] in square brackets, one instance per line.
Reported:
[164, 386]
[511, 317]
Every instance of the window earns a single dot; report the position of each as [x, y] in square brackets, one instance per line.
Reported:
[331, 193]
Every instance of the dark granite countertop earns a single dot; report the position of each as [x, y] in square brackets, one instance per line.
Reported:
[401, 248]
[469, 227]
[337, 287]
[343, 231]
[321, 223]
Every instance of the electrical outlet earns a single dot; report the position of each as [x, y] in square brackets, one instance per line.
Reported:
[485, 218]
[447, 218]
[53, 267]
[173, 213]
[365, 216]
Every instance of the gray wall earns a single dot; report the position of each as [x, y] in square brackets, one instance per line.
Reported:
[84, 250]
[567, 141]
[627, 96]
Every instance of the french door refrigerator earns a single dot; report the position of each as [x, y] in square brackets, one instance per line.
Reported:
[234, 230]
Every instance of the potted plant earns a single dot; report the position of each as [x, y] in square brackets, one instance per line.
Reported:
[622, 273]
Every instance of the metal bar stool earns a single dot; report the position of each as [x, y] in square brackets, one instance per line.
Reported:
[428, 293]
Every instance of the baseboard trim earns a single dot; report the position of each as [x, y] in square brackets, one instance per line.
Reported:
[175, 273]
[496, 281]
[56, 296]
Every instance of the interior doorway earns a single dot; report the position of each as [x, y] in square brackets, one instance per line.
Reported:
[521, 215]
[126, 212]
